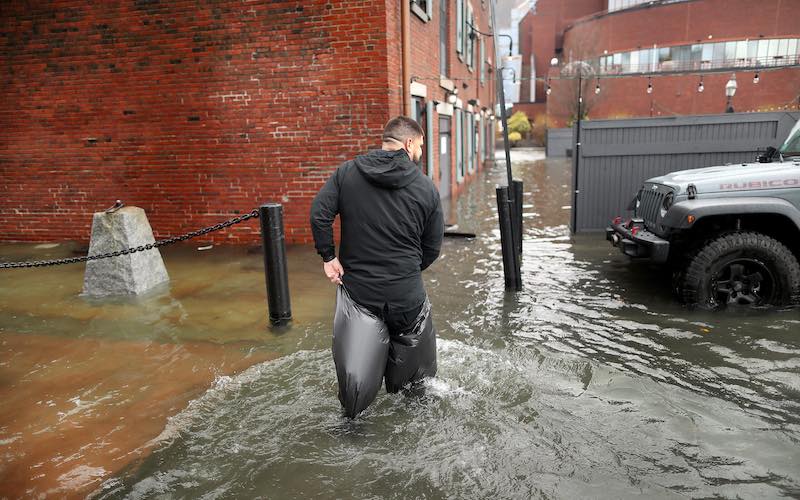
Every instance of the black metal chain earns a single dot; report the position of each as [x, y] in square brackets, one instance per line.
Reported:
[127, 251]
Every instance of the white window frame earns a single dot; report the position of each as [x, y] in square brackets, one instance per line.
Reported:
[470, 42]
[459, 145]
[469, 147]
[460, 29]
[429, 140]
[483, 66]
[425, 14]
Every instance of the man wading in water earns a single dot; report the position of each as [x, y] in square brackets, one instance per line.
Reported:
[391, 230]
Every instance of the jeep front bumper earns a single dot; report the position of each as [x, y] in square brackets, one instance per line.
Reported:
[634, 240]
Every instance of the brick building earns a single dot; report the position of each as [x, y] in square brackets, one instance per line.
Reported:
[196, 111]
[685, 51]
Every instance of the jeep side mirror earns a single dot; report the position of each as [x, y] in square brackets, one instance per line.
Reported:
[766, 156]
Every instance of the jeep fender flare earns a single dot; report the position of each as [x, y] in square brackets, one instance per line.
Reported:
[677, 215]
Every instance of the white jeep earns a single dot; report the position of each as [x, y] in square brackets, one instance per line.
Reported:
[730, 233]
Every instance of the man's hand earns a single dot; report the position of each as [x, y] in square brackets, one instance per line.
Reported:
[334, 271]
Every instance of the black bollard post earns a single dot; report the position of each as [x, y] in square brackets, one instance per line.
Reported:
[510, 261]
[517, 184]
[275, 270]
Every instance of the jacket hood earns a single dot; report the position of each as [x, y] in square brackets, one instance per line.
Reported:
[387, 169]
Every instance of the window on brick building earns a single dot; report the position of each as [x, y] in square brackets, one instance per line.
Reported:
[460, 28]
[470, 37]
[420, 114]
[772, 51]
[429, 141]
[469, 142]
[624, 4]
[459, 145]
[476, 127]
[712, 55]
[483, 61]
[488, 140]
[443, 38]
[479, 140]
[423, 9]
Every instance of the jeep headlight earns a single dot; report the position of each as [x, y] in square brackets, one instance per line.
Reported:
[635, 203]
[669, 199]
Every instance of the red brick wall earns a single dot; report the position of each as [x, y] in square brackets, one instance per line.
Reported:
[190, 110]
[540, 35]
[627, 97]
[686, 23]
[424, 65]
[677, 95]
[526, 33]
[461, 74]
[678, 24]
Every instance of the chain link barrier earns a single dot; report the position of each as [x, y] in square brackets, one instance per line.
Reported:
[127, 251]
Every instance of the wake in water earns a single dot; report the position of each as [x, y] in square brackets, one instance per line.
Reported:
[503, 423]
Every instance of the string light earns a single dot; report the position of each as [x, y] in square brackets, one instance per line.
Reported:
[700, 86]
[649, 85]
[597, 87]
[755, 78]
[549, 90]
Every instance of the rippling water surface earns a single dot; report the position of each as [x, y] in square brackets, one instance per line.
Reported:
[591, 382]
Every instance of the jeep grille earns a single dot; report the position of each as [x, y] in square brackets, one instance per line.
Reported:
[650, 201]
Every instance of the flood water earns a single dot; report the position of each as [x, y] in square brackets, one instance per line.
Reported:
[591, 382]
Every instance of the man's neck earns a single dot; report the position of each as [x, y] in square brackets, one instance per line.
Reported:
[393, 147]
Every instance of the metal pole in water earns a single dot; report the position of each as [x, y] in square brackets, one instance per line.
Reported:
[510, 260]
[510, 204]
[275, 269]
[517, 187]
[577, 153]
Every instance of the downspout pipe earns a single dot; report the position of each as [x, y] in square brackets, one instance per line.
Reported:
[405, 28]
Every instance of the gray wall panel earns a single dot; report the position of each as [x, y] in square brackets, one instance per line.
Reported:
[558, 141]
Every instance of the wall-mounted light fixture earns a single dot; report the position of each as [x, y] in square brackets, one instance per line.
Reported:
[730, 91]
[451, 96]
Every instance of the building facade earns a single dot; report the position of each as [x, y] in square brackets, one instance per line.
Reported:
[509, 14]
[661, 58]
[197, 111]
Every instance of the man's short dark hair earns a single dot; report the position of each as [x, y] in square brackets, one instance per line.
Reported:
[402, 128]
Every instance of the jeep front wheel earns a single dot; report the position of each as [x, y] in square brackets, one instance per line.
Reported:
[748, 268]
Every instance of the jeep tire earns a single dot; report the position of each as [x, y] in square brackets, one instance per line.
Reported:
[746, 268]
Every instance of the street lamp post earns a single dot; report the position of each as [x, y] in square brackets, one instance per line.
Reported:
[507, 202]
[513, 73]
[577, 152]
[730, 91]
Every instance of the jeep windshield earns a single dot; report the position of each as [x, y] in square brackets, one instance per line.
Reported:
[791, 147]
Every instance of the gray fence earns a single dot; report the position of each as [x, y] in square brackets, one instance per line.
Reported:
[616, 156]
[559, 140]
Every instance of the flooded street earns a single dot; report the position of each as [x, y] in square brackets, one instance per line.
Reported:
[591, 382]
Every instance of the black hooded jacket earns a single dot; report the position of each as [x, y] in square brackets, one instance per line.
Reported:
[392, 227]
